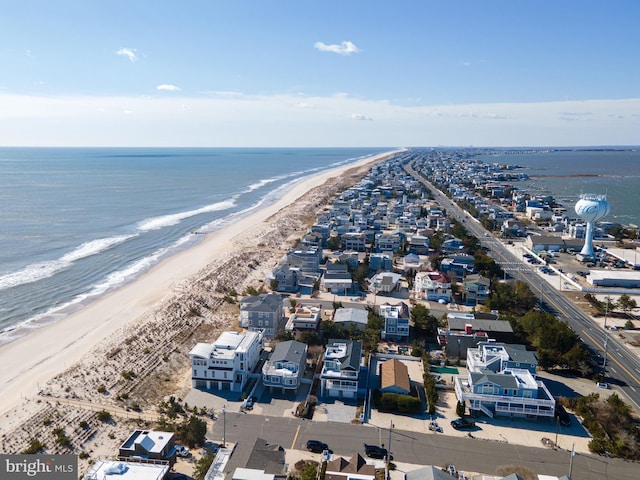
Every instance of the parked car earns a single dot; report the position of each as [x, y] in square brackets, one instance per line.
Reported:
[603, 385]
[374, 451]
[249, 403]
[462, 423]
[316, 446]
[182, 451]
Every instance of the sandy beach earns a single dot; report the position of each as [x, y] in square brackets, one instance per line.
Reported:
[28, 363]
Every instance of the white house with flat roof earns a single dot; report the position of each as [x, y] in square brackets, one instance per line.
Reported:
[304, 317]
[226, 363]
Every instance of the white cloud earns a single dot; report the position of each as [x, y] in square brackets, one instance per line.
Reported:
[345, 48]
[243, 120]
[168, 87]
[303, 105]
[130, 53]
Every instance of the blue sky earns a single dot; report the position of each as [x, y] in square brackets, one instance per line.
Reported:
[331, 73]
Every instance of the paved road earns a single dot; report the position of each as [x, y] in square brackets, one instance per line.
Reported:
[623, 367]
[420, 449]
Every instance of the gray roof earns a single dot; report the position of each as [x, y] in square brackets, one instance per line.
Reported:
[291, 350]
[269, 458]
[519, 353]
[481, 325]
[355, 315]
[352, 357]
[505, 381]
[428, 473]
[266, 302]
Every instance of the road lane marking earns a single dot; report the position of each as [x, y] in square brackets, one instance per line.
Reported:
[295, 438]
[631, 387]
[612, 358]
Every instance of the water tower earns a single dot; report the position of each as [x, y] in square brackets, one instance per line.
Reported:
[590, 208]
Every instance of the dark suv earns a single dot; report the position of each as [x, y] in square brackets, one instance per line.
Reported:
[374, 451]
[462, 423]
[316, 446]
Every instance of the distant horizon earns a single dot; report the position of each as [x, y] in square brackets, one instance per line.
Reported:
[581, 147]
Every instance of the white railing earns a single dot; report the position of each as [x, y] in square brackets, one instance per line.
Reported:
[339, 374]
[464, 393]
[332, 385]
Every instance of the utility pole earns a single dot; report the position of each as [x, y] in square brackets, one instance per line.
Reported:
[224, 426]
[606, 312]
[387, 476]
[573, 454]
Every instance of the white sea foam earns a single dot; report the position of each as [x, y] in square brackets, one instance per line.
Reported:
[267, 181]
[157, 223]
[111, 282]
[38, 271]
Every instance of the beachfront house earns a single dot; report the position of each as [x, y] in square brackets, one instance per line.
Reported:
[149, 445]
[263, 313]
[341, 369]
[396, 322]
[226, 363]
[286, 278]
[285, 366]
[501, 381]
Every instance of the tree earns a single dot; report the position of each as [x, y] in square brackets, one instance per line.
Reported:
[423, 320]
[626, 303]
[310, 338]
[193, 431]
[460, 408]
[333, 243]
[273, 284]
[202, 465]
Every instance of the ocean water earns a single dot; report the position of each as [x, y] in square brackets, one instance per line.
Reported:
[78, 222]
[566, 174]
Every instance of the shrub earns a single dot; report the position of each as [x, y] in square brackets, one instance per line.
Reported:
[104, 416]
[102, 389]
[34, 447]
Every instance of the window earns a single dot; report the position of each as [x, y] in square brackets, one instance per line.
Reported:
[195, 372]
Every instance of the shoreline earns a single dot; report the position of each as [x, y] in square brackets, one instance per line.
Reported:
[29, 362]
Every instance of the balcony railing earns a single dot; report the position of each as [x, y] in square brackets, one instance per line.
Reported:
[337, 385]
[465, 393]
